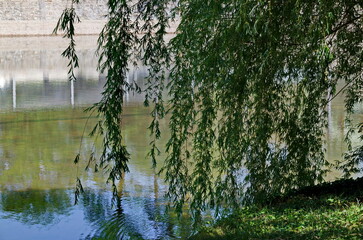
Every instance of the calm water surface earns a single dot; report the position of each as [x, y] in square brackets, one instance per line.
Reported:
[41, 126]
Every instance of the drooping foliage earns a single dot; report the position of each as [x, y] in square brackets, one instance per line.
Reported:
[66, 24]
[248, 84]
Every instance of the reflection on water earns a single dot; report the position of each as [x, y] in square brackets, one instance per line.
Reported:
[50, 214]
[35, 207]
[34, 76]
[37, 176]
[140, 218]
[41, 126]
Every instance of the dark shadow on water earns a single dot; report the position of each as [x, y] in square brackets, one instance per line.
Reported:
[35, 206]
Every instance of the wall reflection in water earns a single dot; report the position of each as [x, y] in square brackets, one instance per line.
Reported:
[36, 77]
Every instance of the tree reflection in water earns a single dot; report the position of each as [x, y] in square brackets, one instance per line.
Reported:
[32, 207]
[132, 217]
[128, 218]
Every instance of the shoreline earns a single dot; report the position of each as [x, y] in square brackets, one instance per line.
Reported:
[27, 28]
[39, 28]
[43, 35]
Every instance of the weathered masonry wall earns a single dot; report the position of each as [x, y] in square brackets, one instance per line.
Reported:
[39, 17]
[50, 9]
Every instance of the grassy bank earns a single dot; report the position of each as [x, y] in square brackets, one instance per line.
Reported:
[327, 211]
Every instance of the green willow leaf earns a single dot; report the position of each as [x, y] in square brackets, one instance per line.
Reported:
[248, 85]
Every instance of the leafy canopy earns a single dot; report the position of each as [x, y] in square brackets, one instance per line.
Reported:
[248, 82]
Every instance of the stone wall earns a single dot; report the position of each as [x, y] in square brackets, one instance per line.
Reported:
[26, 10]
[39, 17]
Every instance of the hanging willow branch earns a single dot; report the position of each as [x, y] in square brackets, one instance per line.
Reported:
[153, 51]
[114, 48]
[66, 24]
[248, 89]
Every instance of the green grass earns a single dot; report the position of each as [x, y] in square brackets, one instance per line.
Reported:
[328, 211]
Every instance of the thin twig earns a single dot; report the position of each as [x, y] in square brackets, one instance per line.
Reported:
[341, 90]
[84, 130]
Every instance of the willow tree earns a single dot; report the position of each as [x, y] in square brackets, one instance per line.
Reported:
[248, 82]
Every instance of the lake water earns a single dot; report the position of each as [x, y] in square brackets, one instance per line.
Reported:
[41, 126]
